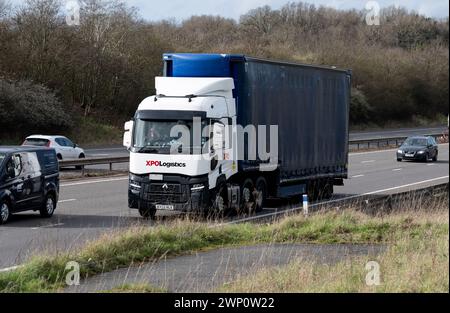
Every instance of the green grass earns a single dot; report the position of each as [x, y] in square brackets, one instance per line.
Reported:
[415, 263]
[142, 244]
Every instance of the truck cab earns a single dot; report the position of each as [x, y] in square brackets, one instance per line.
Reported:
[201, 142]
[167, 173]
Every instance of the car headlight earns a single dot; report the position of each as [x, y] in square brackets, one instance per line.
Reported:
[197, 187]
[420, 152]
[400, 151]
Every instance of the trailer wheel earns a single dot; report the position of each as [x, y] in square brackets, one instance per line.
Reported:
[312, 190]
[326, 190]
[248, 193]
[261, 193]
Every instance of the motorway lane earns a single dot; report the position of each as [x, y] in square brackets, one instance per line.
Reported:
[109, 151]
[90, 208]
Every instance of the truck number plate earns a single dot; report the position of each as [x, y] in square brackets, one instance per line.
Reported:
[164, 207]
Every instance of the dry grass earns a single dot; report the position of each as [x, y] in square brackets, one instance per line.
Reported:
[423, 229]
[414, 262]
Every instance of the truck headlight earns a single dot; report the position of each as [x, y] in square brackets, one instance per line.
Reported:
[197, 187]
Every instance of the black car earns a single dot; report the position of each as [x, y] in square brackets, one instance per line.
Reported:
[29, 180]
[420, 148]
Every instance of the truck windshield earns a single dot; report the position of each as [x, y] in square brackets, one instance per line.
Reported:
[162, 137]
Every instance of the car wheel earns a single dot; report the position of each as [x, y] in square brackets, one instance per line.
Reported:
[5, 212]
[59, 156]
[399, 160]
[81, 156]
[435, 158]
[48, 207]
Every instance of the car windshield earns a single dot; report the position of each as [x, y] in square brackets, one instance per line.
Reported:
[416, 142]
[2, 157]
[35, 142]
[161, 137]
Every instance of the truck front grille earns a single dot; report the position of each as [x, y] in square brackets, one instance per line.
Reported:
[165, 193]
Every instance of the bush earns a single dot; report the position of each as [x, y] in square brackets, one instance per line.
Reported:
[360, 110]
[26, 107]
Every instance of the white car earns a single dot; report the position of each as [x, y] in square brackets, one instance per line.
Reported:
[65, 148]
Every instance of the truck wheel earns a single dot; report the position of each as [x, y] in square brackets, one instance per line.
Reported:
[220, 205]
[261, 193]
[248, 197]
[5, 212]
[147, 213]
[48, 207]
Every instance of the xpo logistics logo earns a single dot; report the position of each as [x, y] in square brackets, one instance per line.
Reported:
[164, 164]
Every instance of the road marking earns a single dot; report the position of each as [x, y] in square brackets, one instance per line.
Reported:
[8, 269]
[68, 200]
[397, 169]
[369, 161]
[95, 181]
[357, 176]
[48, 226]
[431, 164]
[333, 201]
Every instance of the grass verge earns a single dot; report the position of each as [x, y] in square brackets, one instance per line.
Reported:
[417, 262]
[142, 244]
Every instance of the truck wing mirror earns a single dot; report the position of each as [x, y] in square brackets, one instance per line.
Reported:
[128, 134]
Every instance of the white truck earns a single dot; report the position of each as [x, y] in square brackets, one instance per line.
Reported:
[225, 132]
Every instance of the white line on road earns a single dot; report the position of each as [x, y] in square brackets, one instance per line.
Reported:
[8, 269]
[48, 226]
[336, 200]
[357, 176]
[95, 181]
[431, 164]
[68, 200]
[397, 169]
[368, 161]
